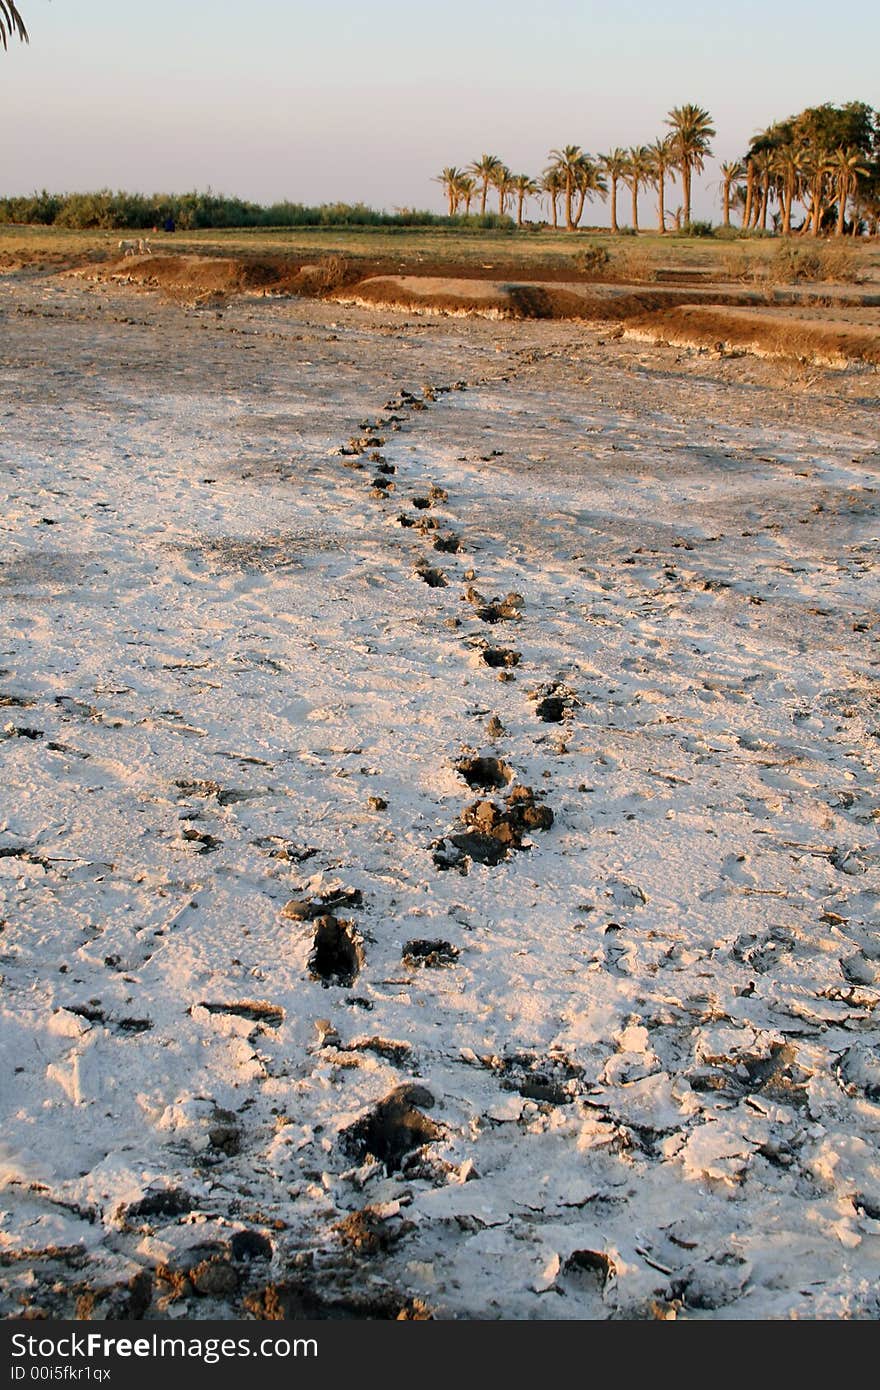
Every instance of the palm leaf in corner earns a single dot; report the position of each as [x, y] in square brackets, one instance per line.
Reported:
[11, 23]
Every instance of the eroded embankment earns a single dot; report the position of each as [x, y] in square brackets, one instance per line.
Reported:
[789, 322]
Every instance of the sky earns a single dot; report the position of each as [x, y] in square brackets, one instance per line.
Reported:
[367, 101]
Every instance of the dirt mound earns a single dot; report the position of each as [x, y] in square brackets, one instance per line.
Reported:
[187, 276]
[774, 333]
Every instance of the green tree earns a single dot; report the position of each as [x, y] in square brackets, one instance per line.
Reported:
[568, 161]
[613, 166]
[662, 159]
[589, 181]
[730, 172]
[553, 184]
[484, 169]
[524, 187]
[466, 190]
[502, 182]
[692, 129]
[450, 178]
[846, 170]
[637, 172]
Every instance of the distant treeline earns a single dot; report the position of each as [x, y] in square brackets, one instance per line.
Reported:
[191, 211]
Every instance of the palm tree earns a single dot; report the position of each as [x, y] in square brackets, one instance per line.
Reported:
[502, 180]
[588, 180]
[662, 159]
[568, 161]
[817, 167]
[484, 168]
[730, 172]
[11, 23]
[636, 175]
[763, 162]
[846, 167]
[692, 130]
[466, 190]
[450, 178]
[524, 187]
[553, 184]
[614, 164]
[788, 165]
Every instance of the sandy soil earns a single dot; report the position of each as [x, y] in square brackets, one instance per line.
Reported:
[309, 1004]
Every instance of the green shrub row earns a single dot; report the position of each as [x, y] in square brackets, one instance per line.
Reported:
[106, 210]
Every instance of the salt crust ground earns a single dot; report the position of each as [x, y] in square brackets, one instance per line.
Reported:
[654, 1062]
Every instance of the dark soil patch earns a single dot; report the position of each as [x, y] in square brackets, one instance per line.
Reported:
[551, 709]
[395, 1128]
[500, 657]
[434, 578]
[337, 954]
[170, 1201]
[449, 542]
[485, 773]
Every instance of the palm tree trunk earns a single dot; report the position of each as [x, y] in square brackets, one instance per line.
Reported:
[661, 201]
[582, 198]
[569, 195]
[686, 190]
[483, 196]
[817, 205]
[842, 193]
[554, 205]
[519, 208]
[765, 200]
[787, 196]
[614, 226]
[726, 202]
[750, 194]
[635, 202]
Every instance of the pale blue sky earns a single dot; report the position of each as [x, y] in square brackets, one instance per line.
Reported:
[280, 99]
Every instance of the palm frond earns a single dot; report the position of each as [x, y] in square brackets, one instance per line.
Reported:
[11, 23]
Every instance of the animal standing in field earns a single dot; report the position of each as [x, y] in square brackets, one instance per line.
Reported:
[139, 247]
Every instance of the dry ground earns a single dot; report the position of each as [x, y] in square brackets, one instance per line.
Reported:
[440, 820]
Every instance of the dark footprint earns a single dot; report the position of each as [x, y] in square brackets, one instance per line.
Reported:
[434, 578]
[495, 610]
[21, 731]
[448, 542]
[491, 831]
[430, 953]
[167, 1201]
[337, 955]
[585, 1267]
[500, 657]
[551, 709]
[485, 773]
[393, 1129]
